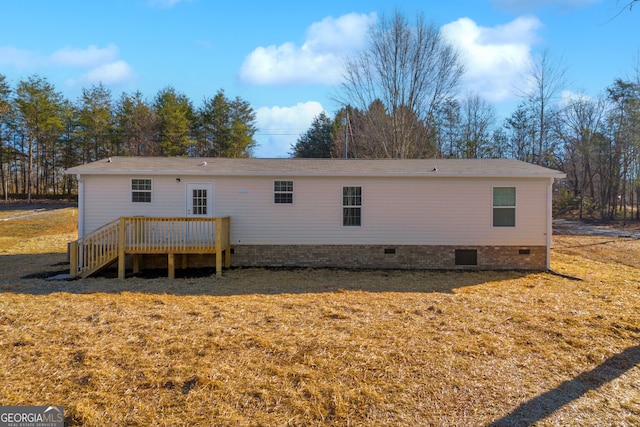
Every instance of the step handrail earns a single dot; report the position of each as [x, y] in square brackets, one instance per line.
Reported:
[148, 235]
[94, 250]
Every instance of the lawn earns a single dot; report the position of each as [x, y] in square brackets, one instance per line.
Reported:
[322, 347]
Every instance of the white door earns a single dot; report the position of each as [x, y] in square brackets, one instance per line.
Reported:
[199, 200]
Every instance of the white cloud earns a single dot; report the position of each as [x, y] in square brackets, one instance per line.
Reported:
[496, 58]
[344, 34]
[117, 72]
[97, 64]
[18, 58]
[567, 97]
[280, 127]
[318, 60]
[92, 56]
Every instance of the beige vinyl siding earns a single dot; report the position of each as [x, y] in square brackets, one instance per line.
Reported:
[109, 197]
[394, 211]
[425, 211]
[255, 219]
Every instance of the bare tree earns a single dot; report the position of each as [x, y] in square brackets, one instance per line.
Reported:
[581, 129]
[546, 80]
[448, 118]
[478, 117]
[411, 70]
[626, 4]
[623, 5]
[520, 134]
[5, 107]
[625, 133]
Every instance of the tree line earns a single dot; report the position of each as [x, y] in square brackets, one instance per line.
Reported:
[400, 100]
[42, 133]
[595, 141]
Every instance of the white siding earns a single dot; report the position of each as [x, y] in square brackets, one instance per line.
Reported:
[109, 197]
[431, 211]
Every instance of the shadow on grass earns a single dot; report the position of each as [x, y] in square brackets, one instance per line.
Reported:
[547, 403]
[36, 279]
[36, 206]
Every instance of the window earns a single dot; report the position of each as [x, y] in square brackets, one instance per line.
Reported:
[199, 201]
[504, 206]
[351, 206]
[141, 190]
[283, 192]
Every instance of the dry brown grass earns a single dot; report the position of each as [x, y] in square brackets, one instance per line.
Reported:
[601, 249]
[327, 347]
[36, 231]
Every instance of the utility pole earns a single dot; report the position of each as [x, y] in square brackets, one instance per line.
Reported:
[345, 124]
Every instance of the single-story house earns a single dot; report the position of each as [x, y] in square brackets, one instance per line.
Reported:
[348, 213]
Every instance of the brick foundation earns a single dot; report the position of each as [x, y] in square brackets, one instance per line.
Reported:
[404, 257]
[389, 257]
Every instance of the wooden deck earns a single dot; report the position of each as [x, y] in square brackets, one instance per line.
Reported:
[145, 236]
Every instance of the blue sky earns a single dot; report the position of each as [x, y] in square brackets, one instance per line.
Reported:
[285, 57]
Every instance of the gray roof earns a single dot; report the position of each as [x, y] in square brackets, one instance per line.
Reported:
[313, 167]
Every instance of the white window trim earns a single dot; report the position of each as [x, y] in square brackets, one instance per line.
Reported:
[292, 192]
[140, 191]
[515, 207]
[361, 206]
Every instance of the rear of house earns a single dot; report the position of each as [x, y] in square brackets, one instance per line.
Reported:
[422, 214]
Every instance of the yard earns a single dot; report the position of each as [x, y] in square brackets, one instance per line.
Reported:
[321, 347]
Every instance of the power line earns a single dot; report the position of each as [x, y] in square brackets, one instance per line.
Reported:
[280, 133]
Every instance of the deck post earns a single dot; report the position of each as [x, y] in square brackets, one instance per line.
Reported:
[136, 263]
[122, 240]
[114, 240]
[219, 231]
[227, 249]
[171, 265]
[73, 259]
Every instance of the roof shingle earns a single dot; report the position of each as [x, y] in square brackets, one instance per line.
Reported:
[309, 167]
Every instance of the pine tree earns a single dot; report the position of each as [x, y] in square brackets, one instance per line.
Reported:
[175, 117]
[225, 127]
[317, 140]
[39, 106]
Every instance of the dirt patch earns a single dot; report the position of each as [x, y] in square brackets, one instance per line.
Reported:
[563, 227]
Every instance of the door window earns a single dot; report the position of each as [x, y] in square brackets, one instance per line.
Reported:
[199, 201]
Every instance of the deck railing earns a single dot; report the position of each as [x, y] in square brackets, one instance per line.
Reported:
[144, 235]
[94, 250]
